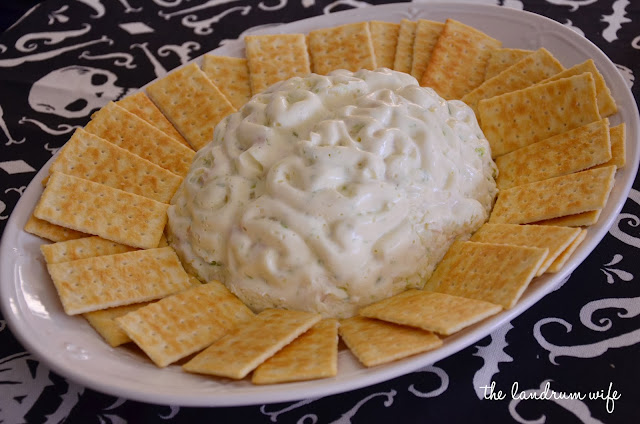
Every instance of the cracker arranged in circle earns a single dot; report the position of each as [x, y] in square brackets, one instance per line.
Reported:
[141, 105]
[90, 157]
[495, 273]
[459, 60]
[438, 312]
[230, 75]
[275, 57]
[555, 239]
[582, 219]
[311, 356]
[191, 102]
[404, 48]
[502, 58]
[530, 70]
[52, 232]
[81, 248]
[124, 129]
[102, 282]
[185, 322]
[555, 197]
[347, 46]
[562, 259]
[618, 136]
[426, 37]
[103, 321]
[567, 152]
[375, 342]
[519, 118]
[606, 103]
[101, 210]
[239, 352]
[384, 36]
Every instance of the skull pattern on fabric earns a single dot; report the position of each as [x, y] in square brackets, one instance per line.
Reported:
[74, 91]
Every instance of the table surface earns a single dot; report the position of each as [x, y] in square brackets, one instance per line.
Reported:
[548, 344]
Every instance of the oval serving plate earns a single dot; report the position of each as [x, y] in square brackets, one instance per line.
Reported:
[71, 348]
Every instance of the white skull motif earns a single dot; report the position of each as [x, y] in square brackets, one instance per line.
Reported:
[74, 91]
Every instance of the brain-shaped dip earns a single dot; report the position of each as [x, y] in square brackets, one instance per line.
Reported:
[327, 193]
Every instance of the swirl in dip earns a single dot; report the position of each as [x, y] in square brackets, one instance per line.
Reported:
[327, 193]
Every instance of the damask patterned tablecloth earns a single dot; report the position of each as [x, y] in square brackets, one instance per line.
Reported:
[583, 337]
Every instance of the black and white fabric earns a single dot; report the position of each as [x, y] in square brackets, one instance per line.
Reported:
[584, 336]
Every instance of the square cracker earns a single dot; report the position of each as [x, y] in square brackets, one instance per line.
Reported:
[85, 247]
[560, 196]
[104, 320]
[191, 102]
[124, 129]
[311, 356]
[275, 57]
[239, 352]
[404, 48]
[556, 239]
[606, 103]
[519, 118]
[567, 152]
[384, 36]
[102, 282]
[502, 58]
[495, 273]
[347, 46]
[141, 105]
[530, 70]
[49, 231]
[376, 342]
[185, 322]
[427, 34]
[90, 157]
[459, 60]
[230, 75]
[101, 210]
[438, 312]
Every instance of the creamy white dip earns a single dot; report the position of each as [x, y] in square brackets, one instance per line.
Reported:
[327, 193]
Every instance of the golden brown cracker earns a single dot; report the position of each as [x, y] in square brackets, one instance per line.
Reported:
[426, 37]
[495, 273]
[49, 231]
[530, 70]
[141, 105]
[384, 36]
[403, 58]
[124, 129]
[562, 259]
[275, 57]
[101, 210]
[560, 196]
[85, 247]
[606, 103]
[502, 58]
[438, 312]
[230, 75]
[239, 352]
[347, 46]
[185, 322]
[102, 282]
[90, 157]
[376, 342]
[458, 61]
[191, 102]
[618, 137]
[311, 356]
[103, 321]
[567, 152]
[556, 239]
[519, 118]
